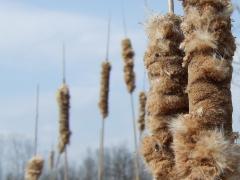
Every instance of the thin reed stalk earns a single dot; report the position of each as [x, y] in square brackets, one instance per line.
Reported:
[66, 168]
[51, 160]
[36, 122]
[171, 6]
[136, 159]
[101, 153]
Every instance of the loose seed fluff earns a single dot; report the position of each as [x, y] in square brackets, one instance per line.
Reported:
[34, 168]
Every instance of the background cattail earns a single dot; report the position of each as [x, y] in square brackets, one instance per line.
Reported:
[103, 103]
[63, 98]
[166, 97]
[128, 55]
[200, 145]
[34, 168]
[104, 91]
[142, 111]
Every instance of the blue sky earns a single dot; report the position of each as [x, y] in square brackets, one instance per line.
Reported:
[31, 33]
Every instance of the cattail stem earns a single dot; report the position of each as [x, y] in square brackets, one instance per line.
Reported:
[66, 174]
[63, 63]
[36, 122]
[171, 6]
[51, 160]
[101, 153]
[124, 19]
[108, 36]
[51, 164]
[136, 162]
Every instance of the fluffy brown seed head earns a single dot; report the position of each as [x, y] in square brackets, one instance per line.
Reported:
[201, 150]
[202, 153]
[164, 36]
[34, 168]
[104, 89]
[209, 46]
[156, 153]
[128, 55]
[63, 99]
[166, 97]
[142, 111]
[207, 29]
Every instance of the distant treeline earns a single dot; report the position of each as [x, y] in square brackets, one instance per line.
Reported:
[15, 152]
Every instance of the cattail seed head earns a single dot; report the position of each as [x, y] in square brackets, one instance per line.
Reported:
[142, 112]
[104, 90]
[166, 97]
[128, 55]
[34, 168]
[63, 98]
[202, 138]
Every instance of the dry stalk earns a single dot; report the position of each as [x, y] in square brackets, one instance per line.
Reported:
[51, 160]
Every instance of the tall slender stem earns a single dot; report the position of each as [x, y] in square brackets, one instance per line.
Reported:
[171, 6]
[124, 19]
[101, 152]
[64, 63]
[108, 36]
[136, 162]
[66, 175]
[36, 121]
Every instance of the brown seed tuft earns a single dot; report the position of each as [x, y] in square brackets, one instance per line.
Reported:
[128, 55]
[63, 99]
[34, 168]
[104, 91]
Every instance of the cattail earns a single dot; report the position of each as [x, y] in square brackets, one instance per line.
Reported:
[51, 160]
[104, 92]
[142, 112]
[34, 168]
[63, 98]
[129, 76]
[128, 55]
[166, 98]
[202, 138]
